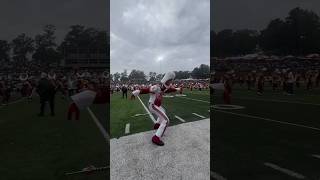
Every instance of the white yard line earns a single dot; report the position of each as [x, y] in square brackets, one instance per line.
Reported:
[267, 119]
[217, 176]
[151, 116]
[195, 99]
[99, 125]
[316, 156]
[179, 118]
[285, 171]
[13, 102]
[136, 115]
[276, 100]
[127, 129]
[198, 115]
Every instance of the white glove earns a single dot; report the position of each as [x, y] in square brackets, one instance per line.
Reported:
[155, 89]
[136, 92]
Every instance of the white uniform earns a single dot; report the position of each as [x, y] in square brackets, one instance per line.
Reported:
[155, 107]
[155, 101]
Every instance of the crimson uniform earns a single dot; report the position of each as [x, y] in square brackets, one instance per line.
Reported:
[86, 98]
[227, 93]
[155, 104]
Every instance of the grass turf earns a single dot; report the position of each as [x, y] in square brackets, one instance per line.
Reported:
[122, 111]
[241, 145]
[47, 147]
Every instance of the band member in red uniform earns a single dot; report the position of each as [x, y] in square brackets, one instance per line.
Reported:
[82, 100]
[260, 85]
[155, 104]
[227, 91]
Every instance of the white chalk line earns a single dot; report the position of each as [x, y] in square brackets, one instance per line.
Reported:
[216, 176]
[99, 125]
[179, 118]
[204, 94]
[13, 102]
[136, 115]
[316, 156]
[200, 116]
[195, 99]
[275, 100]
[150, 115]
[267, 119]
[285, 171]
[281, 101]
[127, 129]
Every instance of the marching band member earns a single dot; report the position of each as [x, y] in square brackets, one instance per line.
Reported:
[87, 97]
[155, 104]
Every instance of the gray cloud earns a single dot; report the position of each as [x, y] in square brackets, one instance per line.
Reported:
[17, 16]
[254, 14]
[144, 31]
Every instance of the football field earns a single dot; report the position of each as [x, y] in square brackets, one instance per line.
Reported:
[129, 116]
[48, 147]
[186, 152]
[273, 136]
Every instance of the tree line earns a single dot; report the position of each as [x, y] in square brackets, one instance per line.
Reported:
[44, 49]
[138, 76]
[296, 34]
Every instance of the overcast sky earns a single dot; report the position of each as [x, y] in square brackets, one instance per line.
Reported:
[254, 14]
[29, 16]
[159, 36]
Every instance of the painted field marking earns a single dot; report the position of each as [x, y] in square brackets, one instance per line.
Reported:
[198, 115]
[180, 95]
[179, 118]
[99, 125]
[275, 100]
[127, 129]
[316, 156]
[227, 106]
[285, 171]
[150, 115]
[13, 102]
[217, 176]
[136, 115]
[271, 120]
[195, 99]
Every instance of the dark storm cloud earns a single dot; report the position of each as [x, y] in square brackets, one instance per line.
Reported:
[254, 14]
[29, 16]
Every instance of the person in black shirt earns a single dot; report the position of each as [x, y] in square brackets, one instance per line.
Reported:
[124, 90]
[46, 91]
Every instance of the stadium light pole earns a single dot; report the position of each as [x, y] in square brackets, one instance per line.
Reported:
[159, 59]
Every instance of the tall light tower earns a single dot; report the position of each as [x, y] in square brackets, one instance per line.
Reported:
[159, 59]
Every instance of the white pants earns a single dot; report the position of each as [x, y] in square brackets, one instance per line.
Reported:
[162, 119]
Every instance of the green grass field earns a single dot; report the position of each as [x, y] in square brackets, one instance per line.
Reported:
[274, 128]
[123, 111]
[47, 147]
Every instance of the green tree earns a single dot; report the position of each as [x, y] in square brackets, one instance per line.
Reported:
[22, 45]
[201, 72]
[4, 50]
[116, 77]
[124, 76]
[45, 46]
[137, 76]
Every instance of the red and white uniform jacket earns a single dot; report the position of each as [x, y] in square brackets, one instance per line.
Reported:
[156, 94]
